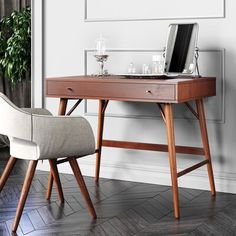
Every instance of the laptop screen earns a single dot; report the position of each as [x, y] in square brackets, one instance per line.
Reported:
[180, 49]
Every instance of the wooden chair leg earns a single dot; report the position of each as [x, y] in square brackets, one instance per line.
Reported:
[172, 157]
[50, 184]
[205, 142]
[75, 167]
[61, 112]
[7, 171]
[55, 174]
[24, 193]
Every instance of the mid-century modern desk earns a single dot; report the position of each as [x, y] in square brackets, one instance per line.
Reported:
[163, 92]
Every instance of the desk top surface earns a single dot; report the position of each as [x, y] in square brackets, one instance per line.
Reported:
[114, 87]
[131, 79]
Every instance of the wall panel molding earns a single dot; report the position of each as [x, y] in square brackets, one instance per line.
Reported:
[215, 106]
[132, 10]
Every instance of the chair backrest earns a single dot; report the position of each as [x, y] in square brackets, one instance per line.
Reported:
[14, 122]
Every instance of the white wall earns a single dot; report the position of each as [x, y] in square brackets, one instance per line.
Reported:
[37, 53]
[67, 35]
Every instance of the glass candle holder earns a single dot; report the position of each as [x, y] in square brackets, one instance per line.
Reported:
[101, 59]
[101, 54]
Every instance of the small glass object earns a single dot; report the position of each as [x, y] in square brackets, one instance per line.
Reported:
[157, 64]
[145, 69]
[101, 59]
[131, 68]
[101, 45]
[101, 54]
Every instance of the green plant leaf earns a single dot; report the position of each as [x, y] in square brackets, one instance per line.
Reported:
[15, 45]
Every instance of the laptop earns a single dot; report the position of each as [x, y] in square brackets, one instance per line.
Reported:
[180, 58]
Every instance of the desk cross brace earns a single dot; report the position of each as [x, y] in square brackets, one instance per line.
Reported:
[192, 110]
[74, 107]
[162, 112]
[160, 148]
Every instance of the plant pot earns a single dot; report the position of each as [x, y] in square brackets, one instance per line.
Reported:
[20, 95]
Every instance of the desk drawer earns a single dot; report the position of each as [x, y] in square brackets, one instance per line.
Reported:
[118, 91]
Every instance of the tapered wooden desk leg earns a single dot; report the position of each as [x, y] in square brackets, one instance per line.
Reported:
[62, 106]
[205, 142]
[99, 137]
[62, 112]
[172, 156]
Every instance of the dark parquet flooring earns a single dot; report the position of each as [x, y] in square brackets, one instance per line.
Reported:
[123, 208]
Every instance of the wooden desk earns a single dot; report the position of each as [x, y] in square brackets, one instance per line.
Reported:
[164, 92]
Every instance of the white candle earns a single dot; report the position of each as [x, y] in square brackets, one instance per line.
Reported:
[100, 46]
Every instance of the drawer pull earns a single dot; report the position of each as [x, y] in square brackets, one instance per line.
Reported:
[148, 91]
[70, 89]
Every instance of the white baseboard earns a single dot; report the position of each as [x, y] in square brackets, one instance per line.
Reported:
[225, 182]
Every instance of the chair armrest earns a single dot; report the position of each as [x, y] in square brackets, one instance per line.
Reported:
[62, 136]
[14, 121]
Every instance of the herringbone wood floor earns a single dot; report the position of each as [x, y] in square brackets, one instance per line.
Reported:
[123, 208]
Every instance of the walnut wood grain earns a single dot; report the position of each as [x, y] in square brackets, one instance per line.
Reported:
[172, 157]
[161, 91]
[62, 106]
[122, 89]
[205, 142]
[79, 178]
[192, 168]
[24, 193]
[101, 113]
[49, 187]
[152, 147]
[55, 174]
[74, 107]
[61, 111]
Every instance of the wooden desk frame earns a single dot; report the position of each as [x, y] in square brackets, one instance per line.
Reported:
[196, 90]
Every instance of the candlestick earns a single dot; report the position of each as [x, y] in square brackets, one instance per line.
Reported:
[100, 54]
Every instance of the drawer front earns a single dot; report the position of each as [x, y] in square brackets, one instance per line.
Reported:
[116, 91]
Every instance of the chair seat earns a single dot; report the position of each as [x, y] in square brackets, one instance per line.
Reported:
[27, 150]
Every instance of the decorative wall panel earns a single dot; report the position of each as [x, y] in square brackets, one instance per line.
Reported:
[113, 10]
[211, 63]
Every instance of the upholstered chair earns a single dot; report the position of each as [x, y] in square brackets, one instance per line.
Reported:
[35, 135]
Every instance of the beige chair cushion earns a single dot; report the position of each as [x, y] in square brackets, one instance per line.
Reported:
[43, 136]
[61, 136]
[41, 111]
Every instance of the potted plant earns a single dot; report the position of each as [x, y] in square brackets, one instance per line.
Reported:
[15, 59]
[15, 51]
